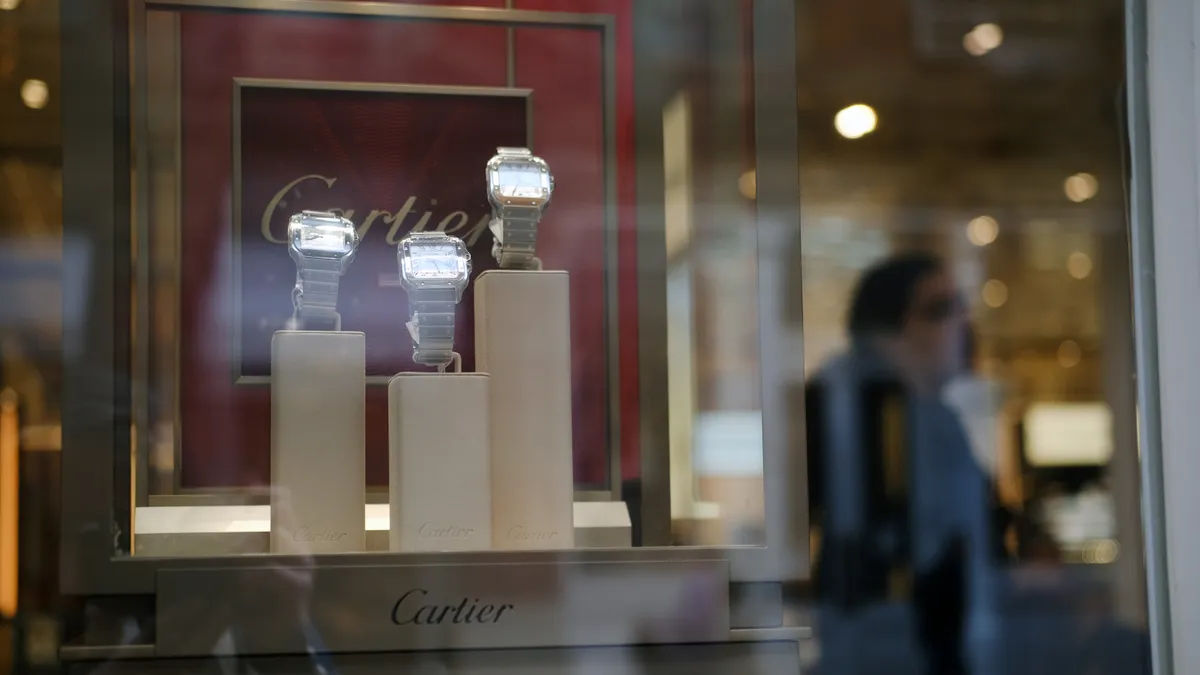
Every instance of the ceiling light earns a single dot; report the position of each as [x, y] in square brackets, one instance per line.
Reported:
[855, 121]
[989, 35]
[1081, 187]
[994, 293]
[1101, 552]
[983, 230]
[1069, 354]
[1079, 265]
[34, 93]
[971, 44]
[748, 184]
[982, 39]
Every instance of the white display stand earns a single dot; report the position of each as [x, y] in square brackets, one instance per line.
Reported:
[523, 341]
[439, 469]
[602, 525]
[318, 441]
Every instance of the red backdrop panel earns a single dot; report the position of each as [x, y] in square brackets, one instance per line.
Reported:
[415, 148]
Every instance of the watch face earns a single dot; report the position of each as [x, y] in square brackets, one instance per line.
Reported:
[324, 236]
[435, 261]
[523, 179]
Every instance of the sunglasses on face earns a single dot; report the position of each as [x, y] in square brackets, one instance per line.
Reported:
[940, 309]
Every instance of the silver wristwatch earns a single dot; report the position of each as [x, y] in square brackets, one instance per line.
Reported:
[323, 245]
[519, 188]
[434, 270]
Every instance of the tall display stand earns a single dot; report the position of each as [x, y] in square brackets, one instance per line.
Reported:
[318, 429]
[523, 340]
[439, 484]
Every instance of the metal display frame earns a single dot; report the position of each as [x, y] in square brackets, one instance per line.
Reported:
[99, 120]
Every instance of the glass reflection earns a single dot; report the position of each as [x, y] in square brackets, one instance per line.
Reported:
[968, 423]
[987, 522]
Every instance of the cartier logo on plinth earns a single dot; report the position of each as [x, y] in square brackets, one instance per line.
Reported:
[439, 531]
[518, 533]
[407, 606]
[413, 610]
[310, 535]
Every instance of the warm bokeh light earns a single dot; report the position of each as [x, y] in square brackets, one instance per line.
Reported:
[10, 471]
[35, 94]
[983, 230]
[9, 4]
[994, 293]
[1079, 265]
[1069, 354]
[1101, 552]
[983, 38]
[855, 121]
[971, 45]
[748, 184]
[1081, 187]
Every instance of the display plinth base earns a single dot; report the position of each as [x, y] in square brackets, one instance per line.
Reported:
[439, 469]
[318, 441]
[523, 341]
[750, 651]
[210, 530]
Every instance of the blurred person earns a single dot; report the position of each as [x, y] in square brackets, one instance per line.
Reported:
[899, 501]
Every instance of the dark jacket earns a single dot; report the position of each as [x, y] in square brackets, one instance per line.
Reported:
[898, 499]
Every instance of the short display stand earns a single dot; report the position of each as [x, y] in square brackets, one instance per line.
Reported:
[523, 341]
[318, 432]
[439, 469]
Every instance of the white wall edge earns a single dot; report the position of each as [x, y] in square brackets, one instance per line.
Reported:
[1166, 268]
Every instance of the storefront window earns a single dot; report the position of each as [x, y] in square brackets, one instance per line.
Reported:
[396, 145]
[784, 326]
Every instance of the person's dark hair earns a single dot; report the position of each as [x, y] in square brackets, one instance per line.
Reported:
[884, 295]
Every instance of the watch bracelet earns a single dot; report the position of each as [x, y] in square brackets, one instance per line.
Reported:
[519, 248]
[317, 282]
[434, 312]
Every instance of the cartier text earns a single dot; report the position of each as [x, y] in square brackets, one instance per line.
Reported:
[414, 609]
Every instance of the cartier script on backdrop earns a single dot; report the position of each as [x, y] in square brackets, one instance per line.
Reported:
[389, 162]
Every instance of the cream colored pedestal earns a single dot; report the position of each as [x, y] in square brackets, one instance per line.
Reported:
[439, 469]
[318, 431]
[523, 342]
